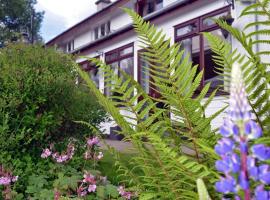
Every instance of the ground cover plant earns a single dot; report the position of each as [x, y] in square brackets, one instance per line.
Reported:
[166, 171]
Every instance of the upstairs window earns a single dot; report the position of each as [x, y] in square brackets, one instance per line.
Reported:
[146, 7]
[70, 46]
[102, 30]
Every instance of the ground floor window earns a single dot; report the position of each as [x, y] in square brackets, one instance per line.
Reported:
[92, 70]
[194, 44]
[120, 58]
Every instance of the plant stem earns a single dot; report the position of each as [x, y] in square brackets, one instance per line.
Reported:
[245, 170]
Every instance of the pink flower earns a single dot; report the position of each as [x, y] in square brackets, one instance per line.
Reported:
[92, 188]
[127, 195]
[4, 180]
[121, 190]
[14, 179]
[81, 191]
[87, 155]
[46, 153]
[100, 155]
[92, 141]
[123, 193]
[89, 178]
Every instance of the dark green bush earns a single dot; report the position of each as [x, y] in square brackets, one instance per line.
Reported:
[39, 102]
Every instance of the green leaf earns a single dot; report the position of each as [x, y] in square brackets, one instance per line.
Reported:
[202, 190]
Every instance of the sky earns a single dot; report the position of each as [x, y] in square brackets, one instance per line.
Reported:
[61, 14]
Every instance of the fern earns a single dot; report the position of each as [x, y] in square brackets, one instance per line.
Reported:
[167, 171]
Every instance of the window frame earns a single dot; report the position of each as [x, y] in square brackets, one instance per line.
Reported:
[201, 28]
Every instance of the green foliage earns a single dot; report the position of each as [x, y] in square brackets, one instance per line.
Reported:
[253, 63]
[17, 16]
[165, 171]
[39, 102]
[202, 190]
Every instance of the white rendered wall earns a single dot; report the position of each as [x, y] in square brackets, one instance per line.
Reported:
[83, 39]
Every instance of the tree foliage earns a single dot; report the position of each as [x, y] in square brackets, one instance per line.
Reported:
[18, 17]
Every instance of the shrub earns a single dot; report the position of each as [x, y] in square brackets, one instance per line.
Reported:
[39, 102]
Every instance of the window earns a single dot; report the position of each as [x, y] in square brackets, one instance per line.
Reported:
[96, 33]
[70, 46]
[197, 47]
[149, 6]
[92, 70]
[122, 58]
[143, 72]
[102, 30]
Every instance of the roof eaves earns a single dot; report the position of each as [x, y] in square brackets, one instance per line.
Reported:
[130, 26]
[83, 21]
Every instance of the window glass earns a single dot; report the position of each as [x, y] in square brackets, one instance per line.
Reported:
[108, 84]
[112, 56]
[126, 51]
[108, 28]
[211, 73]
[102, 30]
[96, 33]
[144, 74]
[186, 29]
[191, 47]
[94, 75]
[209, 21]
[127, 65]
[159, 4]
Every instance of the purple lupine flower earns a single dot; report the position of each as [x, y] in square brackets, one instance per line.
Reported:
[226, 185]
[261, 194]
[229, 164]
[261, 152]
[224, 146]
[239, 161]
[264, 174]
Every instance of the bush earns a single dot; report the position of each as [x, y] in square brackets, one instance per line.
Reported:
[39, 102]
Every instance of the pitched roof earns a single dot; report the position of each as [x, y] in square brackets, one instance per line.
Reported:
[116, 3]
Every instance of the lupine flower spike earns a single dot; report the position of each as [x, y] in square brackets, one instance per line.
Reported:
[240, 162]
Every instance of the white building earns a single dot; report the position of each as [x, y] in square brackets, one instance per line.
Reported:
[108, 35]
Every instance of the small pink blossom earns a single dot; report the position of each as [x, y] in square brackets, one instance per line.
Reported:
[14, 179]
[92, 188]
[92, 141]
[4, 180]
[123, 193]
[46, 153]
[121, 190]
[89, 178]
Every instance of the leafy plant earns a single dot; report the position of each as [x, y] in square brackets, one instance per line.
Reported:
[39, 102]
[167, 171]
